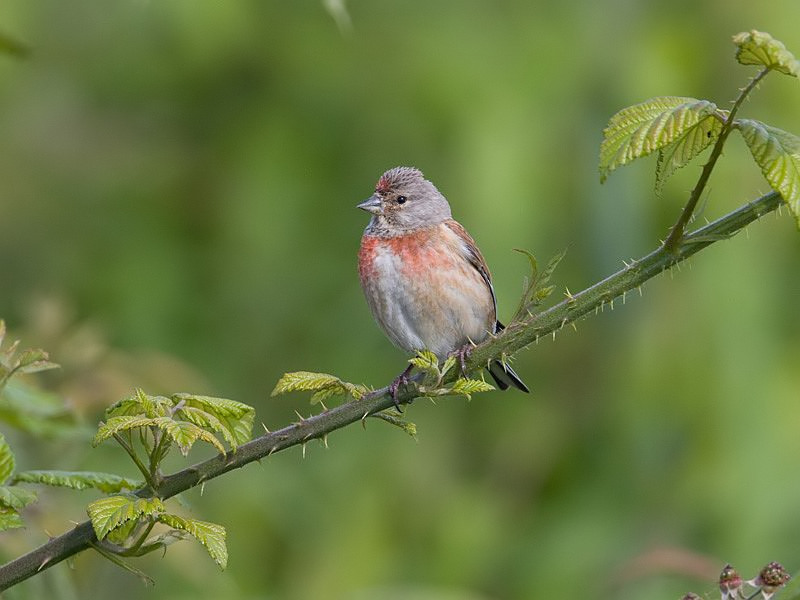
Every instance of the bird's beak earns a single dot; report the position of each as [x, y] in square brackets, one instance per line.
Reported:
[371, 205]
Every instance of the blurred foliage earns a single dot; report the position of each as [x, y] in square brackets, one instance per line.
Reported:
[179, 182]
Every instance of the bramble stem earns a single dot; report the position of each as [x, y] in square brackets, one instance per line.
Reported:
[514, 338]
[676, 234]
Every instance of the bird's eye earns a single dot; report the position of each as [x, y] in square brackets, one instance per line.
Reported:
[401, 199]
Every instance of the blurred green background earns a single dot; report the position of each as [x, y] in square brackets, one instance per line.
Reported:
[177, 190]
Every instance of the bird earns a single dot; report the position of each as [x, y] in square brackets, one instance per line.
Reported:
[424, 278]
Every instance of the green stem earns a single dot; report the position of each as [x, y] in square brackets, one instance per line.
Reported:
[137, 461]
[514, 338]
[675, 236]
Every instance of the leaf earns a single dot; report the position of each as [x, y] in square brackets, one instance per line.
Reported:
[427, 361]
[639, 130]
[691, 143]
[111, 512]
[140, 404]
[207, 421]
[10, 519]
[6, 459]
[395, 419]
[536, 289]
[79, 480]
[122, 423]
[185, 434]
[211, 535]
[777, 153]
[317, 382]
[236, 417]
[467, 387]
[119, 535]
[15, 497]
[33, 361]
[760, 48]
[37, 411]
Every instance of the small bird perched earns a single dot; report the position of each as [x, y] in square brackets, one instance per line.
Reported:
[424, 278]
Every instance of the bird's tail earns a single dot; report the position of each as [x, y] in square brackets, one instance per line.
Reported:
[504, 376]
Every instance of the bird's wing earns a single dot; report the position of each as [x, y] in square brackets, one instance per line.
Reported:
[474, 256]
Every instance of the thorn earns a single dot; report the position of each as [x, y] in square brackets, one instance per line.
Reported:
[611, 303]
[322, 404]
[44, 562]
[624, 295]
[307, 437]
[325, 441]
[575, 327]
[364, 420]
[569, 295]
[304, 450]
[49, 535]
[554, 335]
[536, 339]
[202, 488]
[266, 429]
[271, 450]
[302, 418]
[640, 291]
[74, 522]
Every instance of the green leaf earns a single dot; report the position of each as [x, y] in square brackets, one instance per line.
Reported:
[37, 411]
[15, 497]
[394, 418]
[427, 361]
[111, 512]
[10, 519]
[119, 535]
[185, 434]
[33, 361]
[79, 480]
[467, 387]
[691, 143]
[120, 423]
[760, 48]
[6, 459]
[535, 286]
[236, 417]
[207, 421]
[317, 382]
[211, 535]
[140, 404]
[777, 153]
[639, 130]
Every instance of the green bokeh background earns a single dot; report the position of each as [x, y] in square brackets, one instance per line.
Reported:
[177, 190]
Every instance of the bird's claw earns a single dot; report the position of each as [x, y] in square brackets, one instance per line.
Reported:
[463, 354]
[394, 387]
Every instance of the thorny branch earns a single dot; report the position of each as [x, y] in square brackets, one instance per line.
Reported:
[515, 337]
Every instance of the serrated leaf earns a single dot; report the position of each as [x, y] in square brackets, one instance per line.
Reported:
[467, 387]
[109, 513]
[317, 382]
[237, 417]
[760, 48]
[10, 519]
[427, 361]
[79, 480]
[16, 497]
[395, 419]
[211, 535]
[641, 129]
[449, 363]
[536, 289]
[185, 434]
[777, 153]
[207, 421]
[120, 423]
[140, 404]
[34, 361]
[119, 535]
[6, 459]
[691, 143]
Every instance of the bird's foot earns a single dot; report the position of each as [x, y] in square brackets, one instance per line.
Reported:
[399, 381]
[462, 354]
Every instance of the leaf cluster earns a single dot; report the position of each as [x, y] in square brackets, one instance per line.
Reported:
[680, 128]
[536, 286]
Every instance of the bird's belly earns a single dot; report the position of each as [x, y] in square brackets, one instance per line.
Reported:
[425, 300]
